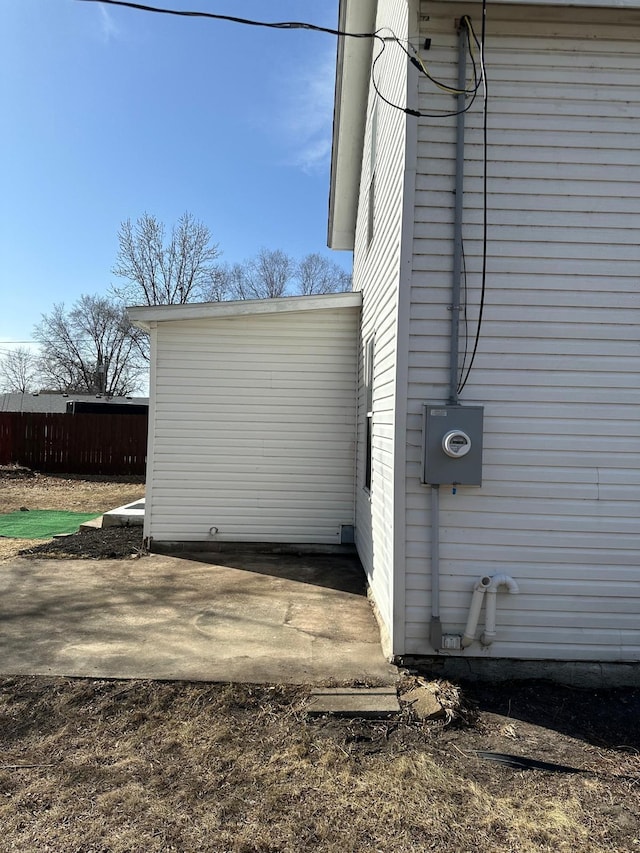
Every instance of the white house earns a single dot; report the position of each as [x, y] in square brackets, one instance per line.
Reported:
[557, 367]
[292, 420]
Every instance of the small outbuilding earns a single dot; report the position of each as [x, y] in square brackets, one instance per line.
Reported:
[252, 421]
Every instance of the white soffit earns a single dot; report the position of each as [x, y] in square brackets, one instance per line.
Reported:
[349, 119]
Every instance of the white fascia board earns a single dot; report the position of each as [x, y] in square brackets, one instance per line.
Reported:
[144, 315]
[353, 68]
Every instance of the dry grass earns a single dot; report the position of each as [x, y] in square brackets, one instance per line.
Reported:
[145, 766]
[120, 767]
[75, 493]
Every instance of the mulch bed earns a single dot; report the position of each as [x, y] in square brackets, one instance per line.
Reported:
[110, 543]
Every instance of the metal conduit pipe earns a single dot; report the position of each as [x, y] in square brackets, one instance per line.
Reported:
[457, 219]
[435, 633]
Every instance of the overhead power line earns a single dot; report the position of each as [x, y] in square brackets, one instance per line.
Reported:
[479, 79]
[274, 25]
[304, 25]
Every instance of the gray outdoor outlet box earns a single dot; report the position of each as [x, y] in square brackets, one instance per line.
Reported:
[452, 445]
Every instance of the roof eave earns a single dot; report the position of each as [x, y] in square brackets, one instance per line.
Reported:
[353, 66]
[142, 316]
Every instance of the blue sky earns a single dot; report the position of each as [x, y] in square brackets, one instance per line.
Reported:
[109, 112]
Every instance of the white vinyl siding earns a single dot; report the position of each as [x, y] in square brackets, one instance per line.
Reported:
[254, 428]
[558, 365]
[377, 258]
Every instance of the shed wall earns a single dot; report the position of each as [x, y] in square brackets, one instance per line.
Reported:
[254, 428]
[558, 362]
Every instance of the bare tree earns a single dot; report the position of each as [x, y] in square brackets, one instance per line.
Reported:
[156, 272]
[19, 369]
[266, 276]
[221, 286]
[317, 274]
[91, 348]
[230, 282]
[273, 273]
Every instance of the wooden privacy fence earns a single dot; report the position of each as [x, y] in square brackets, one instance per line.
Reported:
[74, 444]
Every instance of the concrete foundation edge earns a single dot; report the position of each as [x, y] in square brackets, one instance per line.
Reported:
[385, 637]
[588, 674]
[181, 547]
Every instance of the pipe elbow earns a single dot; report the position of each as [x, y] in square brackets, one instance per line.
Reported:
[504, 580]
[487, 638]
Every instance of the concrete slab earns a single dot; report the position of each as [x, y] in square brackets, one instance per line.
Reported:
[251, 618]
[370, 702]
[128, 515]
[94, 522]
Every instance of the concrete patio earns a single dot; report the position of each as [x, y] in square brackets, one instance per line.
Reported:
[224, 617]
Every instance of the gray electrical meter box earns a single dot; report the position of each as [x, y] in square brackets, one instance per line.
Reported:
[452, 445]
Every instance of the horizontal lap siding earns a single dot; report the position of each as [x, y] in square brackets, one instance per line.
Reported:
[255, 428]
[376, 273]
[558, 363]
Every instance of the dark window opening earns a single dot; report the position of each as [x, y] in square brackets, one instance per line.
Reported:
[368, 384]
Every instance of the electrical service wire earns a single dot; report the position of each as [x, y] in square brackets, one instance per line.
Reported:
[465, 313]
[417, 61]
[276, 25]
[478, 81]
[485, 147]
[302, 25]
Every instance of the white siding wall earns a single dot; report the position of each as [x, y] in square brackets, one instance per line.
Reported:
[254, 429]
[376, 274]
[558, 366]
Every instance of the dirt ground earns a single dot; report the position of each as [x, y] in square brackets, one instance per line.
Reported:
[115, 767]
[20, 487]
[96, 766]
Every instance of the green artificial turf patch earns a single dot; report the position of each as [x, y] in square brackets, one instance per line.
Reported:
[42, 523]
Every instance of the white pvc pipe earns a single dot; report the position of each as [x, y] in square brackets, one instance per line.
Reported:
[474, 610]
[497, 581]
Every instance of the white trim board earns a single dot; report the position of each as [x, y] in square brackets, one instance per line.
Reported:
[143, 315]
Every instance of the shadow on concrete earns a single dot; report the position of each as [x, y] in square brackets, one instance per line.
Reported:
[339, 571]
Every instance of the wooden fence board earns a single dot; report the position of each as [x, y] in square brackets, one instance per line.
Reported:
[74, 444]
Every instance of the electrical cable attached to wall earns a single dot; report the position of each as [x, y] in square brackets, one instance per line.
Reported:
[420, 65]
[485, 147]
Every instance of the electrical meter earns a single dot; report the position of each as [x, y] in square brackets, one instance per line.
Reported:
[452, 445]
[456, 443]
